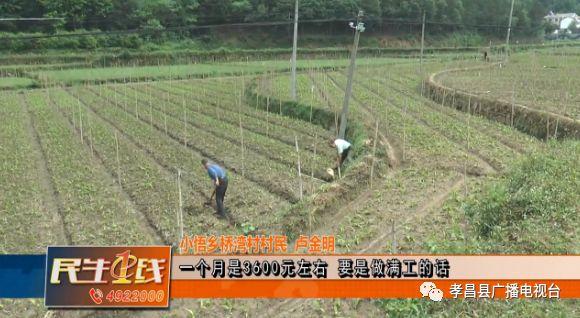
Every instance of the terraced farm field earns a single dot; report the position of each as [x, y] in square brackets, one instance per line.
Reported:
[15, 82]
[538, 80]
[100, 164]
[139, 136]
[437, 150]
[441, 156]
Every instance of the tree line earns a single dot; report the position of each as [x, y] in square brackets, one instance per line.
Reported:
[109, 15]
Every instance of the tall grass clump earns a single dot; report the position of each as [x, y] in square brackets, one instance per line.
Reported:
[534, 208]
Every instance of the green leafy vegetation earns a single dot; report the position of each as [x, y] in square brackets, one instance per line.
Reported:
[483, 186]
[16, 82]
[544, 80]
[185, 71]
[534, 208]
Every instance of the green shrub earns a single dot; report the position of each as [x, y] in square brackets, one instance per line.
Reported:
[131, 41]
[534, 208]
[461, 39]
[89, 42]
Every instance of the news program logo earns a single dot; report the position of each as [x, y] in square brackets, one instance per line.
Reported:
[120, 276]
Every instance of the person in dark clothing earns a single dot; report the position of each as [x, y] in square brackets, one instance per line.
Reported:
[220, 181]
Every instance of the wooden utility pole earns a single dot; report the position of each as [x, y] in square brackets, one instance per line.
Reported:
[359, 27]
[294, 50]
[422, 44]
[507, 41]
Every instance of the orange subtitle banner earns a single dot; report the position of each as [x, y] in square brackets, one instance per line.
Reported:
[268, 267]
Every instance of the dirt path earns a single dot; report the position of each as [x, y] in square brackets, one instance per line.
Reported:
[50, 196]
[436, 201]
[353, 205]
[431, 203]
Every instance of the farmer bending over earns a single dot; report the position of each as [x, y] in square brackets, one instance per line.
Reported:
[343, 147]
[218, 176]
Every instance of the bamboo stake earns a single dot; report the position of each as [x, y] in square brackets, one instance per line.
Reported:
[199, 104]
[180, 211]
[216, 110]
[118, 160]
[405, 132]
[268, 116]
[374, 152]
[299, 168]
[81, 121]
[467, 141]
[116, 103]
[91, 140]
[184, 123]
[242, 145]
[243, 92]
[136, 108]
[125, 97]
[165, 114]
[73, 114]
[547, 128]
[311, 101]
[312, 165]
[336, 122]
[453, 99]
[513, 104]
[150, 106]
[565, 109]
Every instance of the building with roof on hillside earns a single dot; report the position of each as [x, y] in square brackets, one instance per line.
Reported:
[563, 20]
[557, 18]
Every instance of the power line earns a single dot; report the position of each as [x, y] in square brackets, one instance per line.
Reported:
[30, 19]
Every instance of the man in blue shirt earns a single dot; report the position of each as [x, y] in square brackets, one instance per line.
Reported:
[220, 180]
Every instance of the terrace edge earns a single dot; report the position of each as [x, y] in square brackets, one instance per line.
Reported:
[538, 123]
